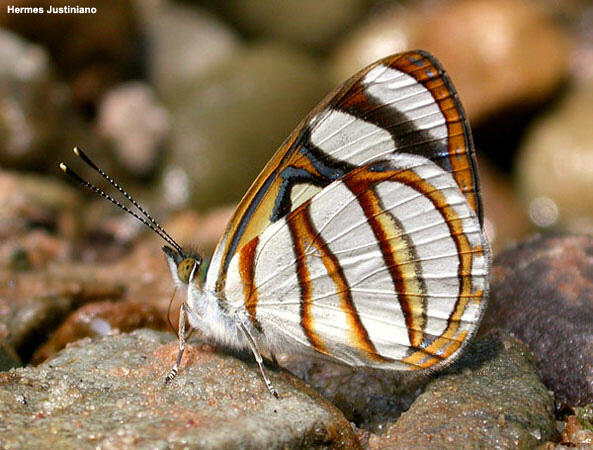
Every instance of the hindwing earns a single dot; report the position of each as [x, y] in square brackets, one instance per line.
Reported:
[404, 103]
[386, 267]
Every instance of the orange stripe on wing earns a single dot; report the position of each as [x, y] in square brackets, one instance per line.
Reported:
[450, 340]
[300, 229]
[425, 70]
[305, 236]
[247, 273]
[398, 254]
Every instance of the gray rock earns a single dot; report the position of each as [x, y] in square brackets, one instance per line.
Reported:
[110, 394]
[542, 292]
[490, 398]
[226, 128]
[370, 398]
[306, 22]
[185, 42]
[555, 161]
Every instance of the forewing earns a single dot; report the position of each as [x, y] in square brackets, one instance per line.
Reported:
[403, 103]
[386, 266]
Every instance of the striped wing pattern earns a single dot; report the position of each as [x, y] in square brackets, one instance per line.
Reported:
[362, 238]
[403, 103]
[385, 267]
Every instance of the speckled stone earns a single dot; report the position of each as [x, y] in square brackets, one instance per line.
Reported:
[491, 398]
[369, 398]
[542, 292]
[110, 394]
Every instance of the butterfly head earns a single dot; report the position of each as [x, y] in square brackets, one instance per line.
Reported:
[184, 266]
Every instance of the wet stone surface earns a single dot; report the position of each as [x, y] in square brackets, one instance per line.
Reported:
[110, 394]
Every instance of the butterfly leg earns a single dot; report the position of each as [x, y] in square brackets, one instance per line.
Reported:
[258, 358]
[181, 335]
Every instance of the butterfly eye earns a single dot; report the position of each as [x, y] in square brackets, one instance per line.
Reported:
[184, 269]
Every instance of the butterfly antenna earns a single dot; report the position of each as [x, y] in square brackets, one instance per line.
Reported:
[103, 194]
[78, 152]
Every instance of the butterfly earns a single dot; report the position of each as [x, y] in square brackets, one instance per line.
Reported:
[362, 239]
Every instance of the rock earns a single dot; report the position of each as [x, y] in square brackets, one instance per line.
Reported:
[542, 292]
[386, 32]
[554, 168]
[575, 435]
[101, 319]
[228, 127]
[8, 357]
[34, 303]
[369, 398]
[105, 49]
[498, 53]
[490, 398]
[135, 124]
[37, 213]
[110, 393]
[307, 22]
[185, 43]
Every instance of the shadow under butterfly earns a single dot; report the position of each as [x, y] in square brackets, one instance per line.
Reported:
[362, 239]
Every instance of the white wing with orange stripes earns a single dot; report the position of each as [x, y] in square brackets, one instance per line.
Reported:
[385, 267]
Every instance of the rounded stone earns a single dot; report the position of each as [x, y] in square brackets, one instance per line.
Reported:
[542, 292]
[185, 44]
[555, 166]
[498, 53]
[306, 22]
[226, 129]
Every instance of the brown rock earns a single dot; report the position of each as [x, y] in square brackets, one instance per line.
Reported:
[542, 292]
[575, 434]
[135, 125]
[498, 53]
[35, 111]
[101, 319]
[505, 219]
[34, 303]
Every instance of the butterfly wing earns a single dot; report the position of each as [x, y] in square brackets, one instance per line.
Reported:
[403, 103]
[386, 267]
